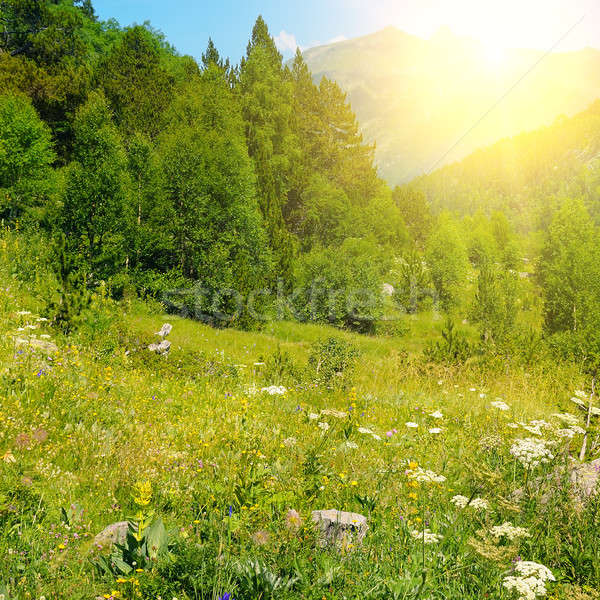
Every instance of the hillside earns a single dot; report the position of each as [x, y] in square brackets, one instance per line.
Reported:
[526, 175]
[218, 472]
[416, 98]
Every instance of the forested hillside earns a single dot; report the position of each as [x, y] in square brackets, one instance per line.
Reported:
[526, 176]
[158, 171]
[417, 98]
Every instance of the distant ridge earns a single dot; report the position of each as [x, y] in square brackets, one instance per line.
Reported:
[416, 98]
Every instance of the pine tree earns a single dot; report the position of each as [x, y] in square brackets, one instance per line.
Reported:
[266, 95]
[138, 87]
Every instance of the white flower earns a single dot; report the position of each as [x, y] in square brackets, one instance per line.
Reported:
[334, 413]
[324, 426]
[463, 502]
[376, 437]
[482, 395]
[531, 452]
[534, 430]
[289, 442]
[435, 430]
[513, 425]
[509, 531]
[426, 536]
[351, 445]
[365, 430]
[23, 313]
[567, 418]
[425, 476]
[531, 582]
[313, 416]
[472, 389]
[274, 390]
[500, 405]
[412, 425]
[437, 414]
[528, 568]
[440, 382]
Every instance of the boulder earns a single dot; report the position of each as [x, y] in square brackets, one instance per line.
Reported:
[113, 534]
[387, 289]
[340, 527]
[165, 330]
[162, 348]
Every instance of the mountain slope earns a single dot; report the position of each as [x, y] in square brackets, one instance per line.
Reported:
[525, 175]
[416, 98]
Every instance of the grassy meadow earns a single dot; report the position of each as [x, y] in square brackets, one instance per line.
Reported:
[101, 430]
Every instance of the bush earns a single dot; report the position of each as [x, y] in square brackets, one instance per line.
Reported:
[332, 362]
[341, 286]
[453, 348]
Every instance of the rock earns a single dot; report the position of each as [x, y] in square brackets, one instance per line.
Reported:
[113, 534]
[340, 527]
[162, 348]
[165, 330]
[387, 289]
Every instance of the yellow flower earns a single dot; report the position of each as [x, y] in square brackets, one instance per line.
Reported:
[143, 489]
[354, 483]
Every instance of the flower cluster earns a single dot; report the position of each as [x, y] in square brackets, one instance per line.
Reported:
[530, 581]
[426, 536]
[425, 476]
[531, 452]
[509, 531]
[463, 502]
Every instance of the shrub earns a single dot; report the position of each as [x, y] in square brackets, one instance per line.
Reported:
[332, 361]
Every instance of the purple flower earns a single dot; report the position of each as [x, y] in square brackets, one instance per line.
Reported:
[226, 596]
[230, 512]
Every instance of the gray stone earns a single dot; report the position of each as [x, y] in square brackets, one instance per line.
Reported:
[113, 534]
[165, 330]
[340, 527]
[387, 289]
[162, 348]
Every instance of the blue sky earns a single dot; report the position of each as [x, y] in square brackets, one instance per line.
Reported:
[507, 23]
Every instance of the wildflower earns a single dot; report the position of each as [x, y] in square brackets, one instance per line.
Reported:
[260, 538]
[226, 595]
[289, 442]
[426, 536]
[8, 457]
[313, 416]
[463, 502]
[143, 493]
[293, 519]
[324, 426]
[274, 390]
[509, 531]
[500, 405]
[376, 437]
[435, 430]
[531, 452]
[567, 418]
[365, 430]
[437, 414]
[425, 476]
[531, 580]
[351, 445]
[412, 425]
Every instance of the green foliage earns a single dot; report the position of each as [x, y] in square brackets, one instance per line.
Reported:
[137, 85]
[95, 204]
[141, 549]
[332, 361]
[341, 285]
[446, 258]
[412, 283]
[569, 271]
[453, 348]
[25, 156]
[495, 304]
[66, 306]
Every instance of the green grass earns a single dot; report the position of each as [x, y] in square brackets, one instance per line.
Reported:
[80, 430]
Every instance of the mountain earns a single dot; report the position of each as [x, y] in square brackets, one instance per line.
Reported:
[527, 175]
[423, 101]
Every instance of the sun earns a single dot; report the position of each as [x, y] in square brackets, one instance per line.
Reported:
[495, 54]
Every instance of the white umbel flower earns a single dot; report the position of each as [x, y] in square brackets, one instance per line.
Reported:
[509, 531]
[531, 452]
[425, 476]
[426, 536]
